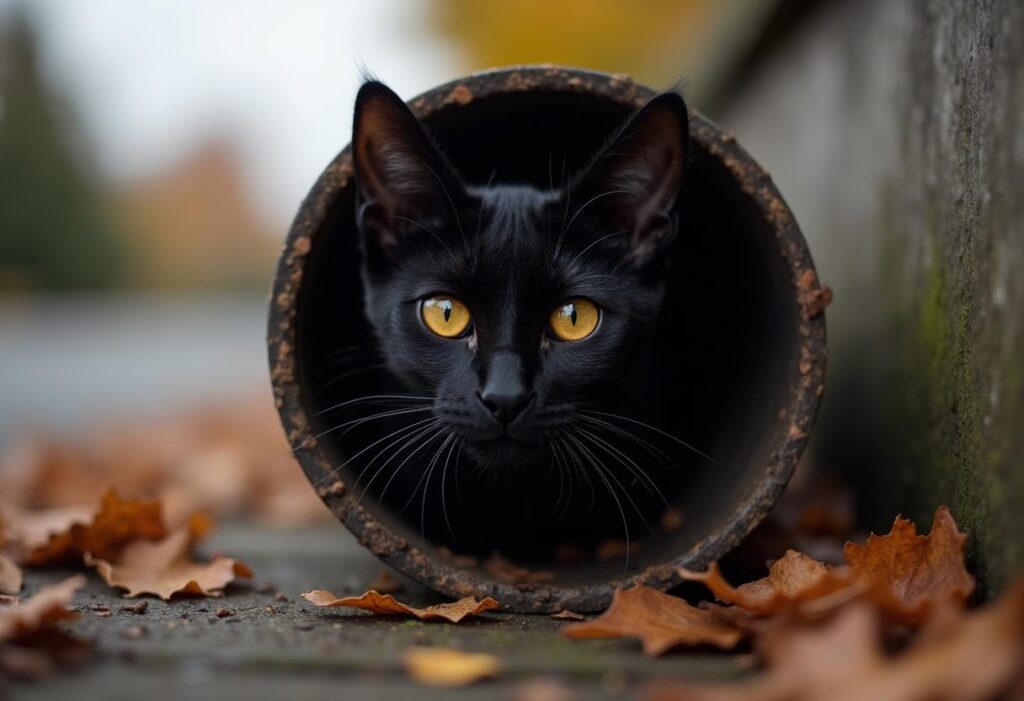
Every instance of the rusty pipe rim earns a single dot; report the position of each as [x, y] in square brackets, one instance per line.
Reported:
[445, 576]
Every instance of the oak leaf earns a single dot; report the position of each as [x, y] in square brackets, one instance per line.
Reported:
[448, 668]
[62, 535]
[386, 604]
[965, 657]
[659, 620]
[909, 574]
[165, 568]
[792, 580]
[905, 574]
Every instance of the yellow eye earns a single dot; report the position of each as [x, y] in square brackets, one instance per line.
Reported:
[575, 319]
[445, 316]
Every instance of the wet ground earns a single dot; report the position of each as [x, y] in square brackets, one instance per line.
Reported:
[273, 649]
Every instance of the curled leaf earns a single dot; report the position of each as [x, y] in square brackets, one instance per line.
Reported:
[792, 580]
[908, 573]
[659, 620]
[166, 568]
[386, 604]
[448, 668]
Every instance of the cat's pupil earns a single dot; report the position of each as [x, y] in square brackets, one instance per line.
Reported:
[447, 311]
[572, 314]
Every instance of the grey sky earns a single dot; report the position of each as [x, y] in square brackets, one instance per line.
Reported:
[150, 78]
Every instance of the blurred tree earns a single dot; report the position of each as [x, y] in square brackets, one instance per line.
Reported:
[53, 234]
[653, 40]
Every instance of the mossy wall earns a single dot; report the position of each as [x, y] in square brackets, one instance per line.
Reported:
[895, 129]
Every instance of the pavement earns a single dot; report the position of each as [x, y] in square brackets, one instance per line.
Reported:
[269, 648]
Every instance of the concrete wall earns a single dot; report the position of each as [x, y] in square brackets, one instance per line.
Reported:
[895, 130]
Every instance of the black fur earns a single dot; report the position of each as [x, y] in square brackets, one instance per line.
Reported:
[512, 253]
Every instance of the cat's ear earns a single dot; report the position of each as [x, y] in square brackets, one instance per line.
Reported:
[405, 183]
[629, 190]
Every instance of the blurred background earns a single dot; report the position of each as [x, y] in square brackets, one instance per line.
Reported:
[152, 155]
[153, 152]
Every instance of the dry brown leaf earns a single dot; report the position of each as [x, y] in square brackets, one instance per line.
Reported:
[224, 459]
[46, 607]
[969, 657]
[905, 574]
[660, 622]
[386, 604]
[447, 667]
[792, 580]
[63, 535]
[166, 568]
[567, 615]
[909, 574]
[10, 576]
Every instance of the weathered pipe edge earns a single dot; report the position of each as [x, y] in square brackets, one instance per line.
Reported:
[805, 391]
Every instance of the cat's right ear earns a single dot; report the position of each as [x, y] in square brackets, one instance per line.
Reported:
[405, 184]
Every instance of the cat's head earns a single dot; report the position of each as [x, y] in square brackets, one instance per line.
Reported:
[514, 307]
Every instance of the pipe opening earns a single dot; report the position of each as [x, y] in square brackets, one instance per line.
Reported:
[729, 344]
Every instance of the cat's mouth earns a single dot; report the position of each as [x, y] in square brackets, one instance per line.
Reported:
[507, 451]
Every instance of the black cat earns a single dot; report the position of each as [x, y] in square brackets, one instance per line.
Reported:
[521, 321]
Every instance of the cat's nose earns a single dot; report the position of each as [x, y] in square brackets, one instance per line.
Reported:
[504, 394]
[505, 407]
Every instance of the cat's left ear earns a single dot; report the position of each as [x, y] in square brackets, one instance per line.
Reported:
[406, 185]
[630, 189]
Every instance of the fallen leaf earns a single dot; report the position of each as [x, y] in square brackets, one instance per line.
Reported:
[567, 615]
[10, 576]
[792, 580]
[165, 568]
[386, 604]
[659, 620]
[447, 667]
[905, 574]
[46, 607]
[969, 657]
[212, 458]
[909, 574]
[62, 535]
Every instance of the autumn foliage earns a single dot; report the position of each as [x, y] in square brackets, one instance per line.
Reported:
[386, 604]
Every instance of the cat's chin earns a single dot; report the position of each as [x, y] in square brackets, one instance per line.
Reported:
[504, 455]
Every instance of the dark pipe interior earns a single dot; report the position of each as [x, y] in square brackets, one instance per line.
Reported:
[729, 339]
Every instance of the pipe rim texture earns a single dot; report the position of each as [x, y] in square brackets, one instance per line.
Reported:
[796, 416]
